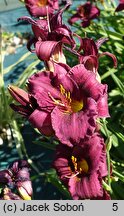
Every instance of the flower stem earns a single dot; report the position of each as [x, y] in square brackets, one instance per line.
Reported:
[107, 152]
[120, 176]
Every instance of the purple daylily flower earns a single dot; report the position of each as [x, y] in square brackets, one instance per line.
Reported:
[90, 54]
[67, 101]
[7, 194]
[29, 109]
[52, 34]
[85, 13]
[79, 168]
[39, 8]
[120, 7]
[17, 175]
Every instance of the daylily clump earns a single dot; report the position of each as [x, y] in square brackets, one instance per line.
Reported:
[85, 13]
[17, 177]
[67, 102]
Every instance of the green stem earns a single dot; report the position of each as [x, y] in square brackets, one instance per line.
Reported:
[3, 96]
[17, 137]
[120, 176]
[106, 186]
[20, 145]
[107, 153]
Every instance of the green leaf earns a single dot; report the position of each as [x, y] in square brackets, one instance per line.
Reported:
[53, 179]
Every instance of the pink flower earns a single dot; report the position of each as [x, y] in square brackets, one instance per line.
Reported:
[90, 56]
[85, 13]
[39, 8]
[52, 34]
[17, 176]
[120, 7]
[67, 101]
[7, 194]
[82, 167]
[29, 109]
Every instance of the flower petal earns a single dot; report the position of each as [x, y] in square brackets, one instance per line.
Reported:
[71, 128]
[87, 187]
[112, 56]
[19, 95]
[102, 104]
[88, 46]
[42, 52]
[87, 81]
[42, 121]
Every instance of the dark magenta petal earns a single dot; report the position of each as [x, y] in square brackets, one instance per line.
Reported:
[61, 69]
[120, 7]
[91, 87]
[85, 23]
[88, 46]
[74, 19]
[42, 121]
[103, 161]
[90, 62]
[87, 81]
[40, 88]
[87, 187]
[17, 165]
[62, 79]
[19, 95]
[31, 43]
[40, 29]
[91, 150]
[85, 13]
[56, 20]
[24, 111]
[100, 41]
[71, 128]
[111, 55]
[28, 19]
[102, 104]
[23, 174]
[5, 176]
[62, 168]
[65, 35]
[43, 53]
[36, 9]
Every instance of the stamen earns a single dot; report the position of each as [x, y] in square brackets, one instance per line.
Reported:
[62, 90]
[57, 102]
[72, 176]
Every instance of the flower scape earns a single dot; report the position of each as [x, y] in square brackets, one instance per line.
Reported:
[64, 101]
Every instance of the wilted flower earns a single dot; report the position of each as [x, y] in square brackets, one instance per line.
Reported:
[67, 101]
[82, 167]
[120, 7]
[49, 35]
[85, 13]
[17, 176]
[39, 8]
[90, 54]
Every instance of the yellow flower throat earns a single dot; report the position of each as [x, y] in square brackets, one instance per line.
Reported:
[68, 104]
[80, 166]
[42, 3]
